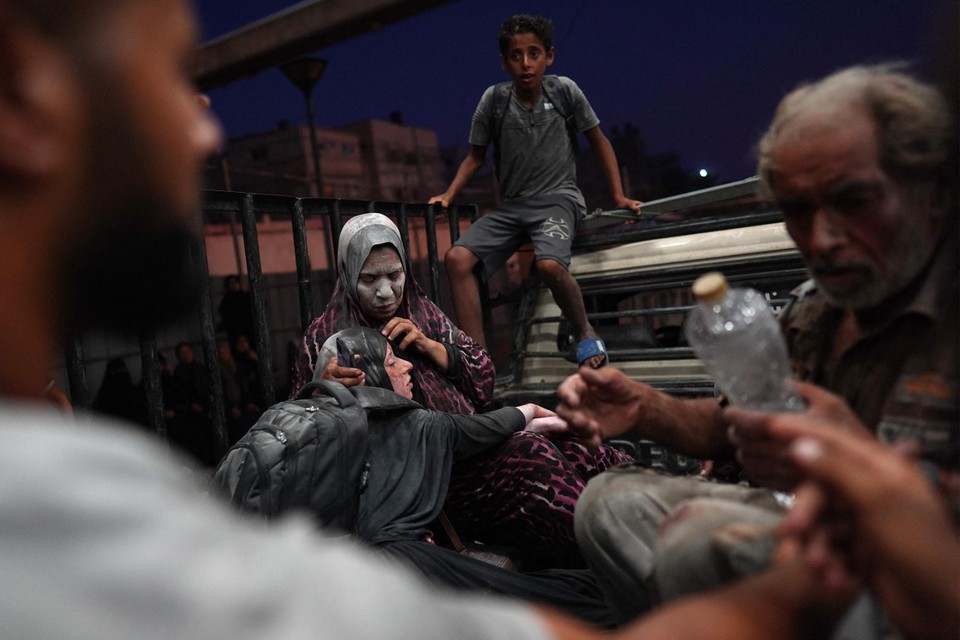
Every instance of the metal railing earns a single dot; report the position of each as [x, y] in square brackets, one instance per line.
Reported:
[721, 208]
[249, 208]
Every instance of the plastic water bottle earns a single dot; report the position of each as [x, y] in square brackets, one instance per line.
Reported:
[739, 341]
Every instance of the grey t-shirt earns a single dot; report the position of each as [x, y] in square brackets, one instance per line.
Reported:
[103, 536]
[536, 156]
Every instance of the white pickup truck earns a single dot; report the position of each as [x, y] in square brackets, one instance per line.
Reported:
[635, 274]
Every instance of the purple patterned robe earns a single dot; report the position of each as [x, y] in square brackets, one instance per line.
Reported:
[522, 493]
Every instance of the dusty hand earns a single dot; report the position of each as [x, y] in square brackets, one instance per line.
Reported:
[347, 376]
[600, 403]
[411, 335]
[541, 412]
[765, 456]
[554, 425]
[541, 420]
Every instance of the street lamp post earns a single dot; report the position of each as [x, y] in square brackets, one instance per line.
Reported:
[305, 73]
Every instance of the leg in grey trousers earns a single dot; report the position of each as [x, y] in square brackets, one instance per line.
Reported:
[618, 519]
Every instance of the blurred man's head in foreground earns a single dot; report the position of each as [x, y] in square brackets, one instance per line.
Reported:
[103, 140]
[858, 163]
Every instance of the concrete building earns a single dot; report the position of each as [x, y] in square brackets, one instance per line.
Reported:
[365, 160]
[400, 163]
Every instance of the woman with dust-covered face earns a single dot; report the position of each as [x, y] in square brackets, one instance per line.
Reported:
[521, 493]
[375, 290]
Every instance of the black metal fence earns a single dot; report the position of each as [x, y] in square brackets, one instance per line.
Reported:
[728, 207]
[248, 208]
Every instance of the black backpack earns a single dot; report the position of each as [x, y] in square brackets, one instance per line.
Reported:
[307, 455]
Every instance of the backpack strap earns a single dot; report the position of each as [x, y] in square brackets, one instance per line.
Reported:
[248, 479]
[558, 93]
[333, 389]
[561, 95]
[502, 95]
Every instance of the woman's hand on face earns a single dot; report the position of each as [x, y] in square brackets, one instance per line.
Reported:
[404, 333]
[347, 376]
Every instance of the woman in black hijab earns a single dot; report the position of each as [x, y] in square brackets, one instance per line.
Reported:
[411, 451]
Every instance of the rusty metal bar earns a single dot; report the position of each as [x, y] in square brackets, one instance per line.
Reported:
[208, 339]
[336, 225]
[251, 245]
[403, 225]
[152, 386]
[293, 32]
[431, 233]
[77, 375]
[453, 218]
[302, 256]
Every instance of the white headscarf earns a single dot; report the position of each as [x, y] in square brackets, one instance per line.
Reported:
[358, 237]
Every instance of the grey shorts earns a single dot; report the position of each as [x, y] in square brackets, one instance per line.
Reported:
[549, 221]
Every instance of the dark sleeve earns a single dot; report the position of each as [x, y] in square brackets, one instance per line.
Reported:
[454, 372]
[481, 431]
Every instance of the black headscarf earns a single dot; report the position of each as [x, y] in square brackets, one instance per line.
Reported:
[370, 345]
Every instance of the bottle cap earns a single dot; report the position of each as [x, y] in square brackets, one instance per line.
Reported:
[710, 286]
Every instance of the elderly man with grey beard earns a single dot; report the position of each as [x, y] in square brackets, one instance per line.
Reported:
[861, 166]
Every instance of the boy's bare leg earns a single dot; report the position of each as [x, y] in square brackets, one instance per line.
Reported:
[567, 294]
[460, 262]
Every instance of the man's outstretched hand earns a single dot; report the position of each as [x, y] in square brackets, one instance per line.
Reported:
[601, 403]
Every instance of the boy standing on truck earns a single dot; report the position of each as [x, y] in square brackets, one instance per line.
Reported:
[532, 123]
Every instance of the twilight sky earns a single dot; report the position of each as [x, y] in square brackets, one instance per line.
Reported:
[698, 77]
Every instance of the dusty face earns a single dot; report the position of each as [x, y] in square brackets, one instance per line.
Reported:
[526, 61]
[398, 370]
[863, 235]
[127, 262]
[380, 284]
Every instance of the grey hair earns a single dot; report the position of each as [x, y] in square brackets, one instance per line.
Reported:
[914, 126]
